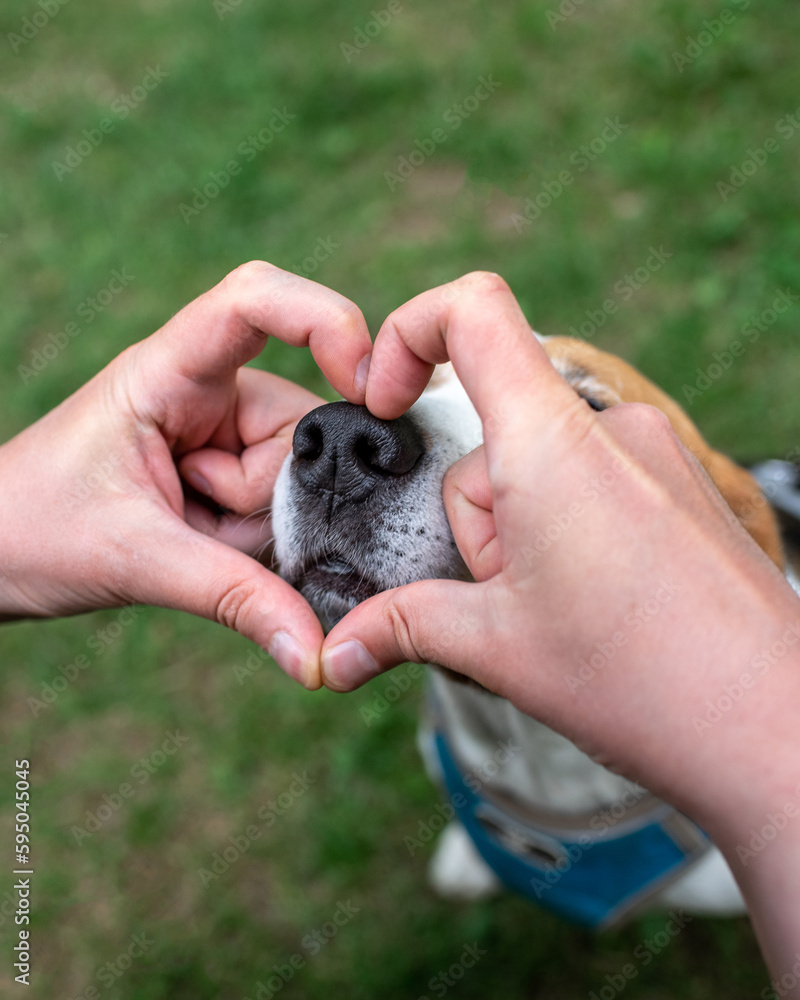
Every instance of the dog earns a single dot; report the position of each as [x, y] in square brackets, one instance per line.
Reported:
[358, 509]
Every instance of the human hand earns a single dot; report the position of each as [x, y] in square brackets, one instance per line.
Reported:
[537, 613]
[660, 527]
[92, 507]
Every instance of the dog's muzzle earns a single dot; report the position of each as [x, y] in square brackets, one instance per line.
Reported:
[345, 453]
[348, 467]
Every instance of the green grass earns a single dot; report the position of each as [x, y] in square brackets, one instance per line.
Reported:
[323, 177]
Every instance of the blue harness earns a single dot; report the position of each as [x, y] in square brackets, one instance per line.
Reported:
[593, 873]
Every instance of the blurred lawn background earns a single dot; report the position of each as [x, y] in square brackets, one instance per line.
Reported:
[354, 113]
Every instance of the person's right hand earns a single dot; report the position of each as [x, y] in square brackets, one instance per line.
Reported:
[652, 572]
[92, 512]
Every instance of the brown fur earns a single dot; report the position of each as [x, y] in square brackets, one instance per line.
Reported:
[739, 489]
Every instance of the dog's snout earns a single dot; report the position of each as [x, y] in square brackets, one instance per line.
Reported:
[343, 449]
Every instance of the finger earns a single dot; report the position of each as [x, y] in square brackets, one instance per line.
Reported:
[191, 572]
[517, 393]
[239, 469]
[252, 534]
[227, 326]
[468, 501]
[433, 621]
[648, 437]
[241, 483]
[266, 405]
[476, 323]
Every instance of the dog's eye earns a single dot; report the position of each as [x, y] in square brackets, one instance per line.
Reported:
[588, 387]
[596, 404]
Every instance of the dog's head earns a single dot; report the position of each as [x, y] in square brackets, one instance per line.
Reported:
[358, 503]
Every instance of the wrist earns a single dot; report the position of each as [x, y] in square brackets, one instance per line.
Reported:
[727, 691]
[746, 795]
[12, 564]
[746, 764]
[764, 856]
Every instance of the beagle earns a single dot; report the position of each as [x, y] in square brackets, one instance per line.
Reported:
[358, 509]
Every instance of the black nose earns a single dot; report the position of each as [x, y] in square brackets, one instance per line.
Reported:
[341, 448]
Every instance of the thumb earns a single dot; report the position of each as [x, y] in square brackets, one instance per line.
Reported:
[436, 621]
[467, 495]
[191, 572]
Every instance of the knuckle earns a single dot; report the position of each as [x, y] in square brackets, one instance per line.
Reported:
[464, 476]
[402, 619]
[451, 478]
[575, 424]
[249, 272]
[233, 604]
[348, 318]
[646, 417]
[484, 281]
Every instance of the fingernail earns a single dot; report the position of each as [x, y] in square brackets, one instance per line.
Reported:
[362, 371]
[348, 666]
[200, 483]
[290, 656]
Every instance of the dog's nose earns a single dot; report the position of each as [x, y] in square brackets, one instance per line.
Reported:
[341, 448]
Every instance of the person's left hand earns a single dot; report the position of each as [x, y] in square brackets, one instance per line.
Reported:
[92, 509]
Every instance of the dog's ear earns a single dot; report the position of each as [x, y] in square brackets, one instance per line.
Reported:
[613, 380]
[744, 497]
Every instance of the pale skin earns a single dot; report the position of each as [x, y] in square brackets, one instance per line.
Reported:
[537, 614]
[180, 402]
[92, 495]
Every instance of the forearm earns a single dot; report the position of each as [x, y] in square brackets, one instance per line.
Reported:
[50, 531]
[766, 863]
[753, 812]
[19, 545]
